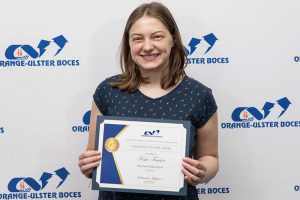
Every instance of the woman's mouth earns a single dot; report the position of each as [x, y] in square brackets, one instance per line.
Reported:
[150, 57]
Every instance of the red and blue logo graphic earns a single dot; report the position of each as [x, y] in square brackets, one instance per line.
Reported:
[26, 184]
[86, 123]
[31, 188]
[253, 117]
[23, 52]
[198, 47]
[250, 113]
[25, 55]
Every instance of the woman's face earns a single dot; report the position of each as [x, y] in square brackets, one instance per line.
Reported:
[150, 44]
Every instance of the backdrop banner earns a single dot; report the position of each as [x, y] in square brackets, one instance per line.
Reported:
[53, 55]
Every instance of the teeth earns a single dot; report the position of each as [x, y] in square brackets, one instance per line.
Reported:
[150, 57]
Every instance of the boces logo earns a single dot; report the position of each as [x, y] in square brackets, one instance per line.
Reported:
[26, 184]
[253, 117]
[198, 48]
[154, 133]
[25, 55]
[30, 188]
[213, 191]
[85, 127]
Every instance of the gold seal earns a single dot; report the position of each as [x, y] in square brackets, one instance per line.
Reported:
[111, 144]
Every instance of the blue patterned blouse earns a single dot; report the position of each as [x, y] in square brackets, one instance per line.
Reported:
[189, 100]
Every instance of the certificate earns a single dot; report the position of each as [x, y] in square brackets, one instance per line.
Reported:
[141, 155]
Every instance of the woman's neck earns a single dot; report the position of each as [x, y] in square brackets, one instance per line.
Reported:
[153, 89]
[154, 79]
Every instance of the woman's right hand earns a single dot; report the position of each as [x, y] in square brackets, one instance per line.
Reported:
[87, 161]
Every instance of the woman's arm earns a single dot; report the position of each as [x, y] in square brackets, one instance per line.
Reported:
[205, 163]
[90, 158]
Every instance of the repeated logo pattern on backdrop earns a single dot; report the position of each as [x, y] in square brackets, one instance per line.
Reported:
[211, 191]
[49, 62]
[85, 127]
[25, 55]
[26, 184]
[32, 188]
[253, 117]
[199, 47]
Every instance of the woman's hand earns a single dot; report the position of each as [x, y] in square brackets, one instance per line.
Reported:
[87, 161]
[193, 170]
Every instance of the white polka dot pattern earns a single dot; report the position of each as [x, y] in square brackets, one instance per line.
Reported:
[190, 100]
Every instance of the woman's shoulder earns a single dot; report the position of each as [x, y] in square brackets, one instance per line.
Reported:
[189, 81]
[105, 85]
[109, 80]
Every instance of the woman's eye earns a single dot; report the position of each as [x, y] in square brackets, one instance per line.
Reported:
[136, 39]
[158, 36]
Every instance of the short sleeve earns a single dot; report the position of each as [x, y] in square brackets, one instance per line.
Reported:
[100, 96]
[206, 109]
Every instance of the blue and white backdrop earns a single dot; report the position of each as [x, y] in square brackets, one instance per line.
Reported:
[54, 53]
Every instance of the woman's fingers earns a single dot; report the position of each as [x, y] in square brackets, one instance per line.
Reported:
[193, 170]
[87, 161]
[84, 160]
[89, 153]
[190, 178]
[88, 169]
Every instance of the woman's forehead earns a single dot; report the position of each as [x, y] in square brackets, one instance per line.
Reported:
[147, 24]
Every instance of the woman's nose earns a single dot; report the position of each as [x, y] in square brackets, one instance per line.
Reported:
[147, 45]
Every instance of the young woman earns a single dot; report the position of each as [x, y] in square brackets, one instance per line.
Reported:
[153, 84]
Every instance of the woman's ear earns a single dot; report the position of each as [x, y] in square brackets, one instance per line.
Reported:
[174, 42]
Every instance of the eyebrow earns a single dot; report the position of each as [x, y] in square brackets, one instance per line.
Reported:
[138, 34]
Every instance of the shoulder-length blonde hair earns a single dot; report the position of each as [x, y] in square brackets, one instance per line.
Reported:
[131, 76]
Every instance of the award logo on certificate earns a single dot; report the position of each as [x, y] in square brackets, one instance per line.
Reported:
[141, 155]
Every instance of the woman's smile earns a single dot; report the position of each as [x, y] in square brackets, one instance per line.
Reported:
[150, 57]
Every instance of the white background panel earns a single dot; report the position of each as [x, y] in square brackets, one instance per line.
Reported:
[40, 105]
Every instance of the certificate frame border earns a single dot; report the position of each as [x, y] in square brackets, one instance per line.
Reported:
[100, 119]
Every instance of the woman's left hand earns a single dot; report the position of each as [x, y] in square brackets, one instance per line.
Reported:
[193, 170]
